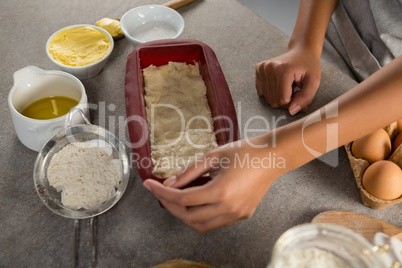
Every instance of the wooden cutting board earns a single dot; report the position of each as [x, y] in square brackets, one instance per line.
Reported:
[362, 224]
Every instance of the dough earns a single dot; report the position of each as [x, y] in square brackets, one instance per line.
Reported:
[179, 119]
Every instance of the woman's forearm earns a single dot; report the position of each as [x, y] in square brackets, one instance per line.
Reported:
[373, 104]
[311, 24]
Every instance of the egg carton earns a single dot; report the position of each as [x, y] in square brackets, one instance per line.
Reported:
[359, 166]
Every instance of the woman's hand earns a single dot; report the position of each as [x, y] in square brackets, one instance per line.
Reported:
[277, 78]
[240, 177]
[299, 67]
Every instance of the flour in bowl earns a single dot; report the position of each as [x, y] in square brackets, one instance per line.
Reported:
[309, 258]
[84, 174]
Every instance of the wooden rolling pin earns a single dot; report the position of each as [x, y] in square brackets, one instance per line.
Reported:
[175, 4]
[362, 224]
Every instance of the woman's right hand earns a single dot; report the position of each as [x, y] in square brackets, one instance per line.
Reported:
[241, 174]
[277, 78]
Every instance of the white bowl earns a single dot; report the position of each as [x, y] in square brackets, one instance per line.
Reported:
[151, 22]
[87, 71]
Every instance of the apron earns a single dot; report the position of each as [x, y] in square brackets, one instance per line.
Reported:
[363, 36]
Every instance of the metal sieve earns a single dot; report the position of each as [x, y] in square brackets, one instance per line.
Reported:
[52, 198]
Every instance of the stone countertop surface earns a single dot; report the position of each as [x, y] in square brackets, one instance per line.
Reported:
[137, 232]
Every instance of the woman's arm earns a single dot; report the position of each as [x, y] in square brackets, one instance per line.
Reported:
[311, 25]
[235, 191]
[300, 65]
[372, 104]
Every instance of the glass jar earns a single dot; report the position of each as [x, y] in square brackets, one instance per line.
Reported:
[323, 245]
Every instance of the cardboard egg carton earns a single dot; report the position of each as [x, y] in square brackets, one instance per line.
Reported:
[359, 166]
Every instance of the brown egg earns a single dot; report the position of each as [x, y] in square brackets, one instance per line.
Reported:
[397, 141]
[383, 179]
[373, 147]
[399, 125]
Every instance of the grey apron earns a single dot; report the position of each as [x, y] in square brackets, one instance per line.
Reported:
[363, 36]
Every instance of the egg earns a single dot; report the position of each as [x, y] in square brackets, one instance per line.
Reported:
[383, 179]
[399, 125]
[397, 141]
[373, 147]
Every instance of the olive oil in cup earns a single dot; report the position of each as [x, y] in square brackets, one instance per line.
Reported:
[39, 102]
[49, 107]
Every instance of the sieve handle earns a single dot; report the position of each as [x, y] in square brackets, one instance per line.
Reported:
[77, 233]
[76, 242]
[93, 242]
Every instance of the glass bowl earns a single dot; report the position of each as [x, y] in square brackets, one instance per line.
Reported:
[350, 248]
[79, 133]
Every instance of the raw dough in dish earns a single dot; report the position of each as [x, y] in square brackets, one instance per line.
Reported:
[179, 119]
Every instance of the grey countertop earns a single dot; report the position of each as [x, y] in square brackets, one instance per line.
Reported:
[137, 232]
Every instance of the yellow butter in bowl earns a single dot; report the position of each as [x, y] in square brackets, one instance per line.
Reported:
[79, 46]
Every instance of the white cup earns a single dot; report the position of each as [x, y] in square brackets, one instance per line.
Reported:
[31, 84]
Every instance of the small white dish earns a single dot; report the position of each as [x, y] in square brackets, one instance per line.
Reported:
[87, 71]
[151, 22]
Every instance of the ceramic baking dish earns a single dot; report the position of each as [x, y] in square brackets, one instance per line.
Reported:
[218, 95]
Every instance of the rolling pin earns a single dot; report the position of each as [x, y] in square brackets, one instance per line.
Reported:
[175, 4]
[364, 225]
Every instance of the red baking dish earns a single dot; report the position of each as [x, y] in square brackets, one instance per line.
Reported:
[218, 95]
